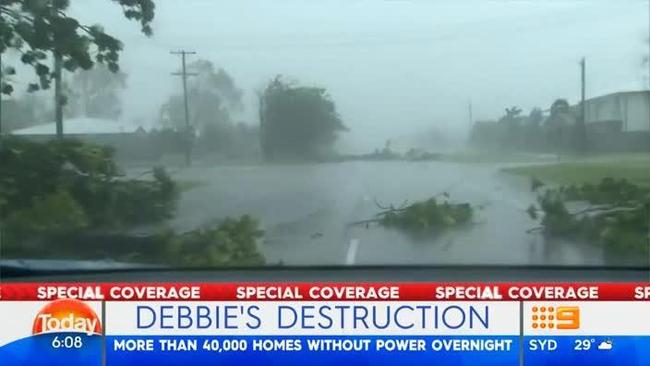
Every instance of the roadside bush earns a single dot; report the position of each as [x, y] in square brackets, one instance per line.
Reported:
[119, 203]
[68, 199]
[232, 242]
[54, 214]
[79, 182]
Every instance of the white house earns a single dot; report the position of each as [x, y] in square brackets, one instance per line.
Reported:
[80, 127]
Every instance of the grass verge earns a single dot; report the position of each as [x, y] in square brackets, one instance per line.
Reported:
[634, 170]
[479, 156]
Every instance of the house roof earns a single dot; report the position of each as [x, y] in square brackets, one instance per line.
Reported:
[627, 92]
[80, 126]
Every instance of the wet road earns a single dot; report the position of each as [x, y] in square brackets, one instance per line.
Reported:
[305, 211]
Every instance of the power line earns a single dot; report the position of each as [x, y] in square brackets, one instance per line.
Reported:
[184, 74]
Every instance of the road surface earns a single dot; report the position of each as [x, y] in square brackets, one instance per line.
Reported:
[305, 211]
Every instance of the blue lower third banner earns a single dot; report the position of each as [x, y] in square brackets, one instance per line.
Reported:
[56, 349]
[312, 350]
[312, 333]
[63, 332]
[587, 350]
[597, 333]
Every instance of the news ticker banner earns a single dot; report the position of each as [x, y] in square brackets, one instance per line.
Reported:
[324, 324]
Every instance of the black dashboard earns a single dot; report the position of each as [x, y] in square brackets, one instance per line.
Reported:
[465, 273]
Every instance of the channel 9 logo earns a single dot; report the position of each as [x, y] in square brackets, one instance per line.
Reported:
[551, 317]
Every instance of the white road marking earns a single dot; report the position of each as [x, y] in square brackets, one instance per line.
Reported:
[353, 248]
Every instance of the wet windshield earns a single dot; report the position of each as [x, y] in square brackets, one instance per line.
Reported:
[249, 133]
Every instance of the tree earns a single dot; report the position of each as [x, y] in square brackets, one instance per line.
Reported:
[512, 131]
[536, 116]
[559, 107]
[487, 135]
[24, 111]
[559, 123]
[297, 121]
[213, 96]
[40, 29]
[16, 114]
[511, 122]
[94, 93]
[532, 130]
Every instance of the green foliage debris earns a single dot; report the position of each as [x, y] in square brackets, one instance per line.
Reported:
[431, 215]
[614, 214]
[229, 243]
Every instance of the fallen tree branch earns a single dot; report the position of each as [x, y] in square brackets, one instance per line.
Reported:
[391, 207]
[535, 229]
[605, 209]
[365, 222]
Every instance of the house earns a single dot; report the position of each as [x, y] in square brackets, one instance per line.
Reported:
[127, 140]
[82, 127]
[622, 111]
[618, 122]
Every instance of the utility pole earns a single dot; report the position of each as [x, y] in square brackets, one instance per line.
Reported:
[261, 111]
[184, 74]
[582, 126]
[58, 97]
[471, 120]
[648, 94]
[1, 75]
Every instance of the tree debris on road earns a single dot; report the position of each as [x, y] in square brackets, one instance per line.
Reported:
[431, 214]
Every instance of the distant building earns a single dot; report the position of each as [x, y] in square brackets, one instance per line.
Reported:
[83, 127]
[619, 112]
[129, 141]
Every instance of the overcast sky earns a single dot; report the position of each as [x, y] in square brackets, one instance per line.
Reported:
[393, 67]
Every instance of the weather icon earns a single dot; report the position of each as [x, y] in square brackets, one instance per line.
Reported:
[606, 345]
